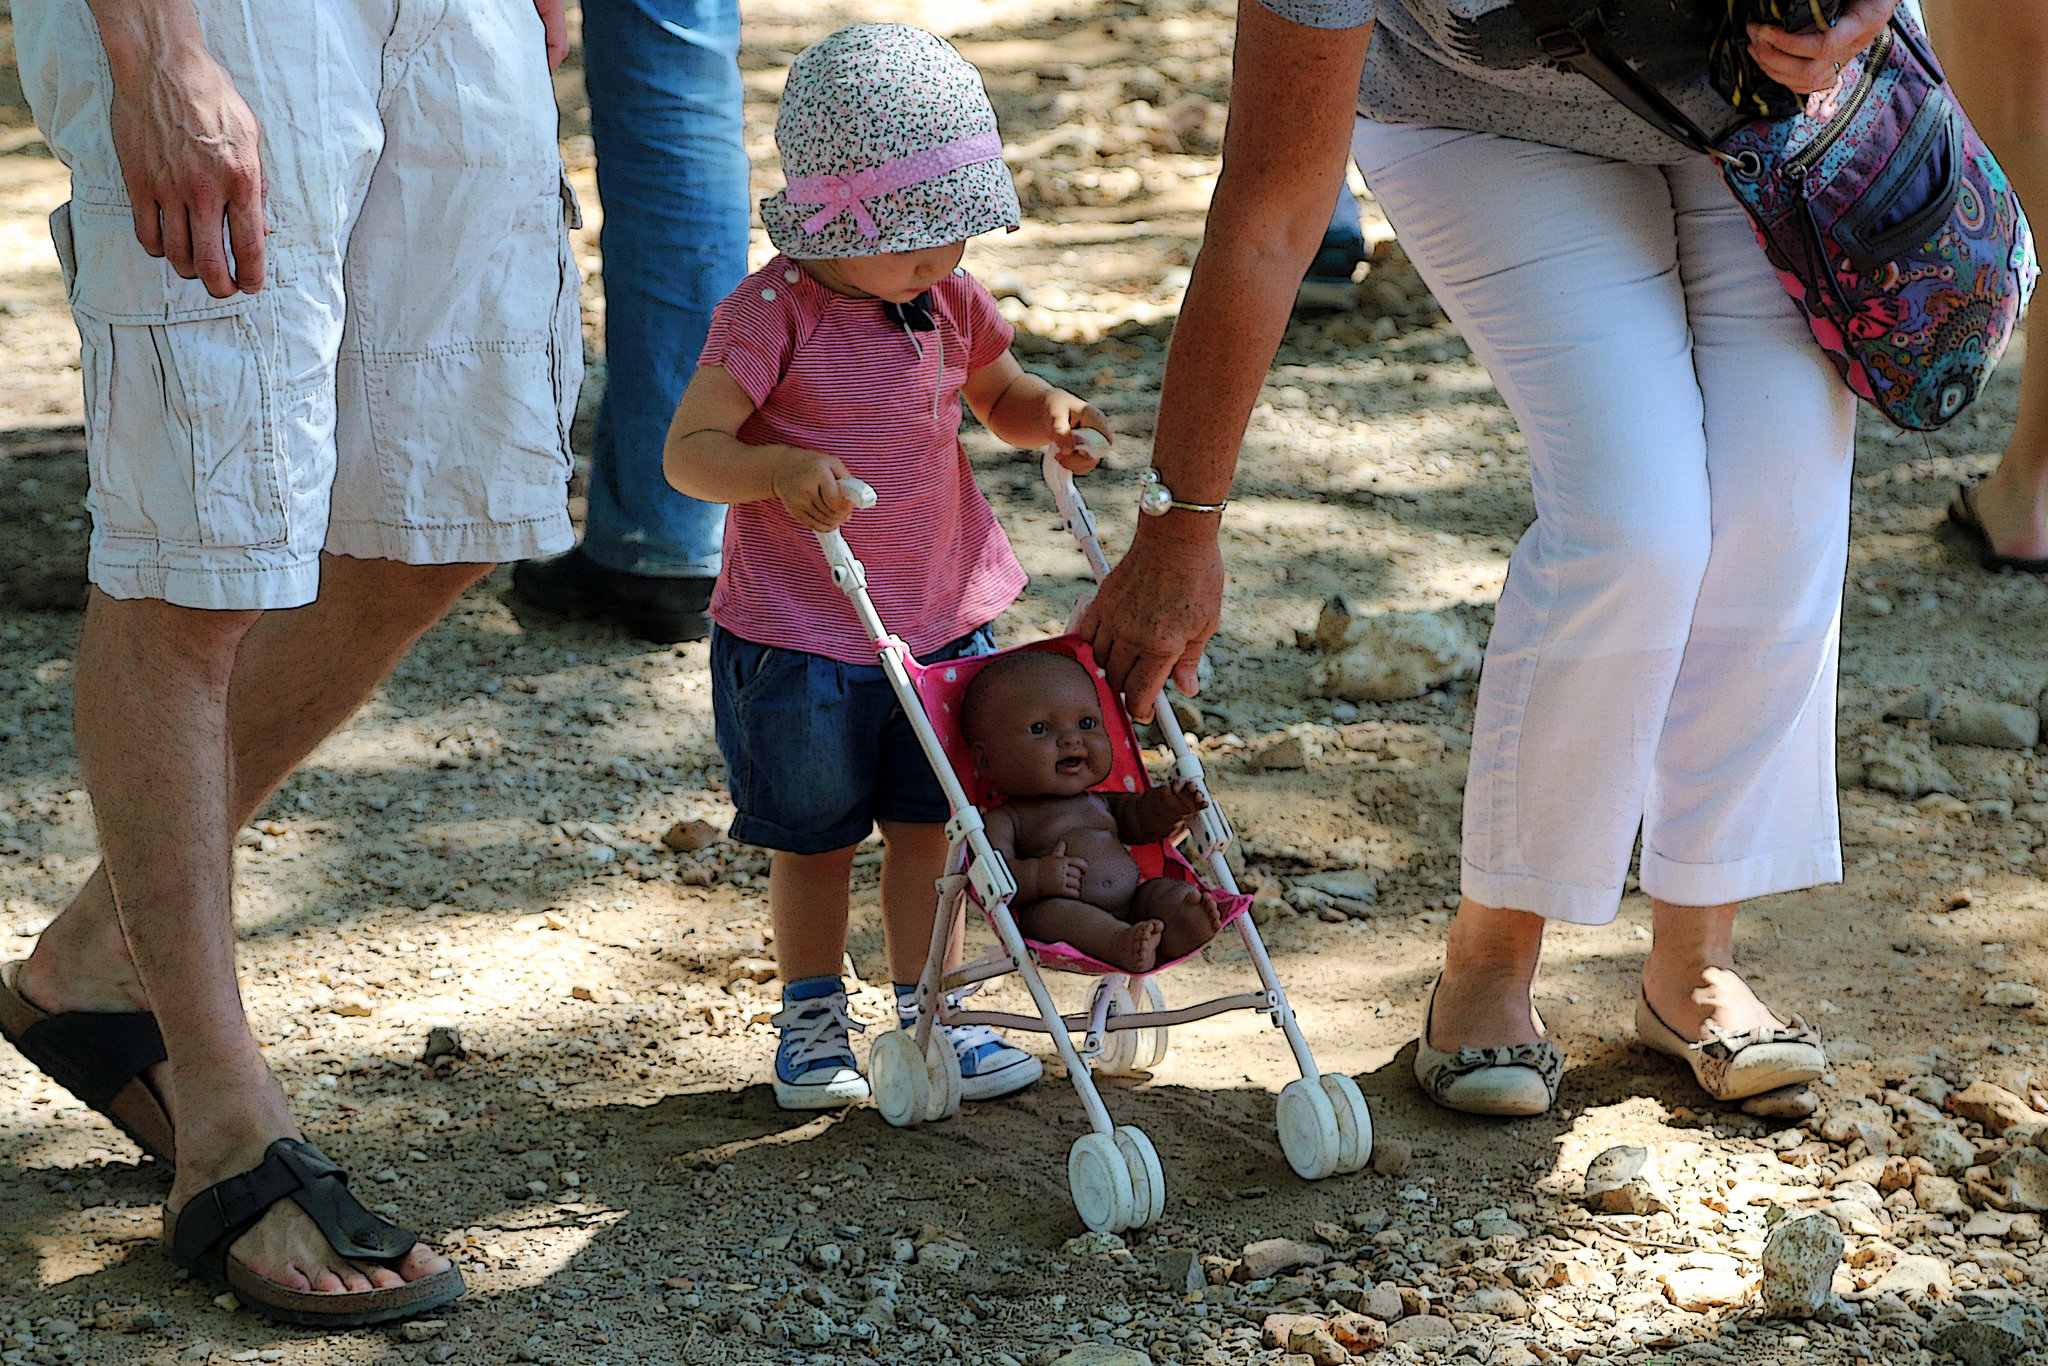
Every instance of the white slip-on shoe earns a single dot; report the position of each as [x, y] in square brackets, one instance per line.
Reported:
[1512, 1079]
[1737, 1066]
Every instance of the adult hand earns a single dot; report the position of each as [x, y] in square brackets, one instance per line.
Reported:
[1155, 613]
[555, 20]
[190, 153]
[1806, 62]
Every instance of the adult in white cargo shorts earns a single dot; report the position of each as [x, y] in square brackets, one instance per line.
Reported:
[318, 257]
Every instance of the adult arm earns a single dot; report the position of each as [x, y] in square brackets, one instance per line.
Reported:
[188, 145]
[1293, 93]
[705, 458]
[1806, 62]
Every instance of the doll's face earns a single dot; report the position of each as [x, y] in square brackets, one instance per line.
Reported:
[894, 277]
[1034, 726]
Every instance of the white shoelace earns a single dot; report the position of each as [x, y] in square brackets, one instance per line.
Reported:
[969, 1038]
[817, 1031]
[966, 1039]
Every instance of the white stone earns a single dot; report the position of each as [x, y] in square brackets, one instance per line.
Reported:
[1799, 1262]
[2001, 725]
[1906, 767]
[1394, 656]
[2016, 994]
[1697, 1289]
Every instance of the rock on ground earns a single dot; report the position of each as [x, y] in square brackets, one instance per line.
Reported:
[1993, 1341]
[1907, 768]
[1394, 655]
[2001, 725]
[1624, 1180]
[1799, 1262]
[1272, 1257]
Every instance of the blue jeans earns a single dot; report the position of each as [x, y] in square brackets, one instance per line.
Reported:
[666, 114]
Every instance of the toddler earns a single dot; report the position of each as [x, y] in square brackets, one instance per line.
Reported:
[1033, 724]
[849, 355]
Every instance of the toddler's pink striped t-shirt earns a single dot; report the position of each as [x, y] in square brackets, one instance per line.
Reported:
[830, 373]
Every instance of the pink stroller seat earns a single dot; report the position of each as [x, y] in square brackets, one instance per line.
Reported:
[942, 686]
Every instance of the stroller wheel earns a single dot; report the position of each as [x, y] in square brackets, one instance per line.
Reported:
[1120, 1047]
[1100, 1178]
[1308, 1129]
[1354, 1121]
[1148, 1183]
[898, 1078]
[942, 1074]
[1154, 1044]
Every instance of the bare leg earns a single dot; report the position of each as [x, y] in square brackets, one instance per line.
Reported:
[1689, 976]
[1490, 960]
[298, 676]
[1188, 913]
[911, 869]
[807, 899]
[167, 697]
[1094, 931]
[1996, 56]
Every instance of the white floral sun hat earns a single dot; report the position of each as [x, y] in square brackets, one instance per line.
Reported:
[888, 143]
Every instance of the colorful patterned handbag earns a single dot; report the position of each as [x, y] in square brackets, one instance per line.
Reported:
[1887, 219]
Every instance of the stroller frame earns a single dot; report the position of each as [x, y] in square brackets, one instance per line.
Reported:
[1113, 1171]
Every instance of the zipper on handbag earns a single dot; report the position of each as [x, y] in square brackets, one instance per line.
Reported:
[1880, 51]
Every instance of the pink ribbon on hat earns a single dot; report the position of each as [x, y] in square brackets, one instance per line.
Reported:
[845, 193]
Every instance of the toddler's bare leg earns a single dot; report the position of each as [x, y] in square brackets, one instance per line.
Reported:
[1188, 913]
[1094, 931]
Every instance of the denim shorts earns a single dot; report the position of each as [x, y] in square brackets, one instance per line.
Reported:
[817, 751]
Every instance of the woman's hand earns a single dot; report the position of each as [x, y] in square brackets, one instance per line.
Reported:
[1067, 414]
[807, 485]
[1155, 613]
[1806, 62]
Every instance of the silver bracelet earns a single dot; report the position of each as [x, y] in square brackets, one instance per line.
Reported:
[1156, 500]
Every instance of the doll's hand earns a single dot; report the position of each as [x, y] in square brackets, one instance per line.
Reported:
[1056, 874]
[1068, 413]
[806, 483]
[1181, 798]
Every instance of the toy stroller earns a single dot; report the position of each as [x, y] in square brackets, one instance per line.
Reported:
[1113, 1172]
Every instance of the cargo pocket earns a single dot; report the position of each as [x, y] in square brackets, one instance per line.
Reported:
[182, 436]
[565, 338]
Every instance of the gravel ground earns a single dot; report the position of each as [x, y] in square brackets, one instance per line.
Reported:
[482, 848]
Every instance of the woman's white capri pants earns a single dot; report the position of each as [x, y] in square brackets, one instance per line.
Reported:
[1663, 656]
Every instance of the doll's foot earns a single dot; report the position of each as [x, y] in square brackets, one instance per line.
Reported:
[1189, 925]
[1137, 948]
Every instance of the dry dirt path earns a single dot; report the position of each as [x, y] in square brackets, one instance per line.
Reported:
[480, 848]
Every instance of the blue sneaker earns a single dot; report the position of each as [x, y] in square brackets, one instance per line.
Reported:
[814, 1067]
[990, 1066]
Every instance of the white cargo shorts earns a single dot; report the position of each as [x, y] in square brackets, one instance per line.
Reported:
[402, 386]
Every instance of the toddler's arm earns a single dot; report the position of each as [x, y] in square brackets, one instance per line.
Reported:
[1155, 813]
[705, 458]
[1025, 410]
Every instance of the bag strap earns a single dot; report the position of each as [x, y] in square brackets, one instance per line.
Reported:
[1582, 46]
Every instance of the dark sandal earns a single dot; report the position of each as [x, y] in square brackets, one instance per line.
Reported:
[1962, 515]
[200, 1234]
[101, 1058]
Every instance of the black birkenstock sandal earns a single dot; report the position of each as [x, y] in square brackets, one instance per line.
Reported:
[101, 1058]
[1962, 515]
[200, 1234]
